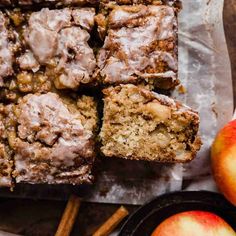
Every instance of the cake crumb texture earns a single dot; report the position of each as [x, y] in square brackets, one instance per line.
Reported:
[143, 125]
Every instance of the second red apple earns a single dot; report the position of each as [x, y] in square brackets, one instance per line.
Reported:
[194, 223]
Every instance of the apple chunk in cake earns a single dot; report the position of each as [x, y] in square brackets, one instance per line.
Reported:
[143, 125]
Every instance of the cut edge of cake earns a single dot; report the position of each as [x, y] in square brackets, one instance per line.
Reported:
[140, 124]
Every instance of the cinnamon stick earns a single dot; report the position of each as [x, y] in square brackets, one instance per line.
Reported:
[112, 222]
[69, 216]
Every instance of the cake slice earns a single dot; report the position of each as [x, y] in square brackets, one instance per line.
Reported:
[6, 166]
[142, 125]
[6, 57]
[175, 3]
[52, 138]
[48, 48]
[56, 3]
[51, 3]
[140, 45]
[6, 163]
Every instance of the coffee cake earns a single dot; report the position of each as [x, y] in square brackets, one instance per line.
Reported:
[6, 163]
[52, 138]
[140, 45]
[51, 3]
[47, 48]
[142, 125]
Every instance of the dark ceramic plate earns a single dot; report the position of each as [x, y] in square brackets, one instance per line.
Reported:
[145, 219]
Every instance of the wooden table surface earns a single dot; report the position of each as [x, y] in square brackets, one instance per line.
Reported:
[40, 218]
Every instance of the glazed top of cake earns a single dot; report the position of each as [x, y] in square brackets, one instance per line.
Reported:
[140, 43]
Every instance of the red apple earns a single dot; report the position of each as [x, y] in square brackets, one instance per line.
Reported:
[194, 223]
[223, 156]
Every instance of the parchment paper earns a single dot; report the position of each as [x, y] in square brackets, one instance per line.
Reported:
[204, 70]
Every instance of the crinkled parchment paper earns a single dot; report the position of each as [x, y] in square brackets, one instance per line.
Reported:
[204, 70]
